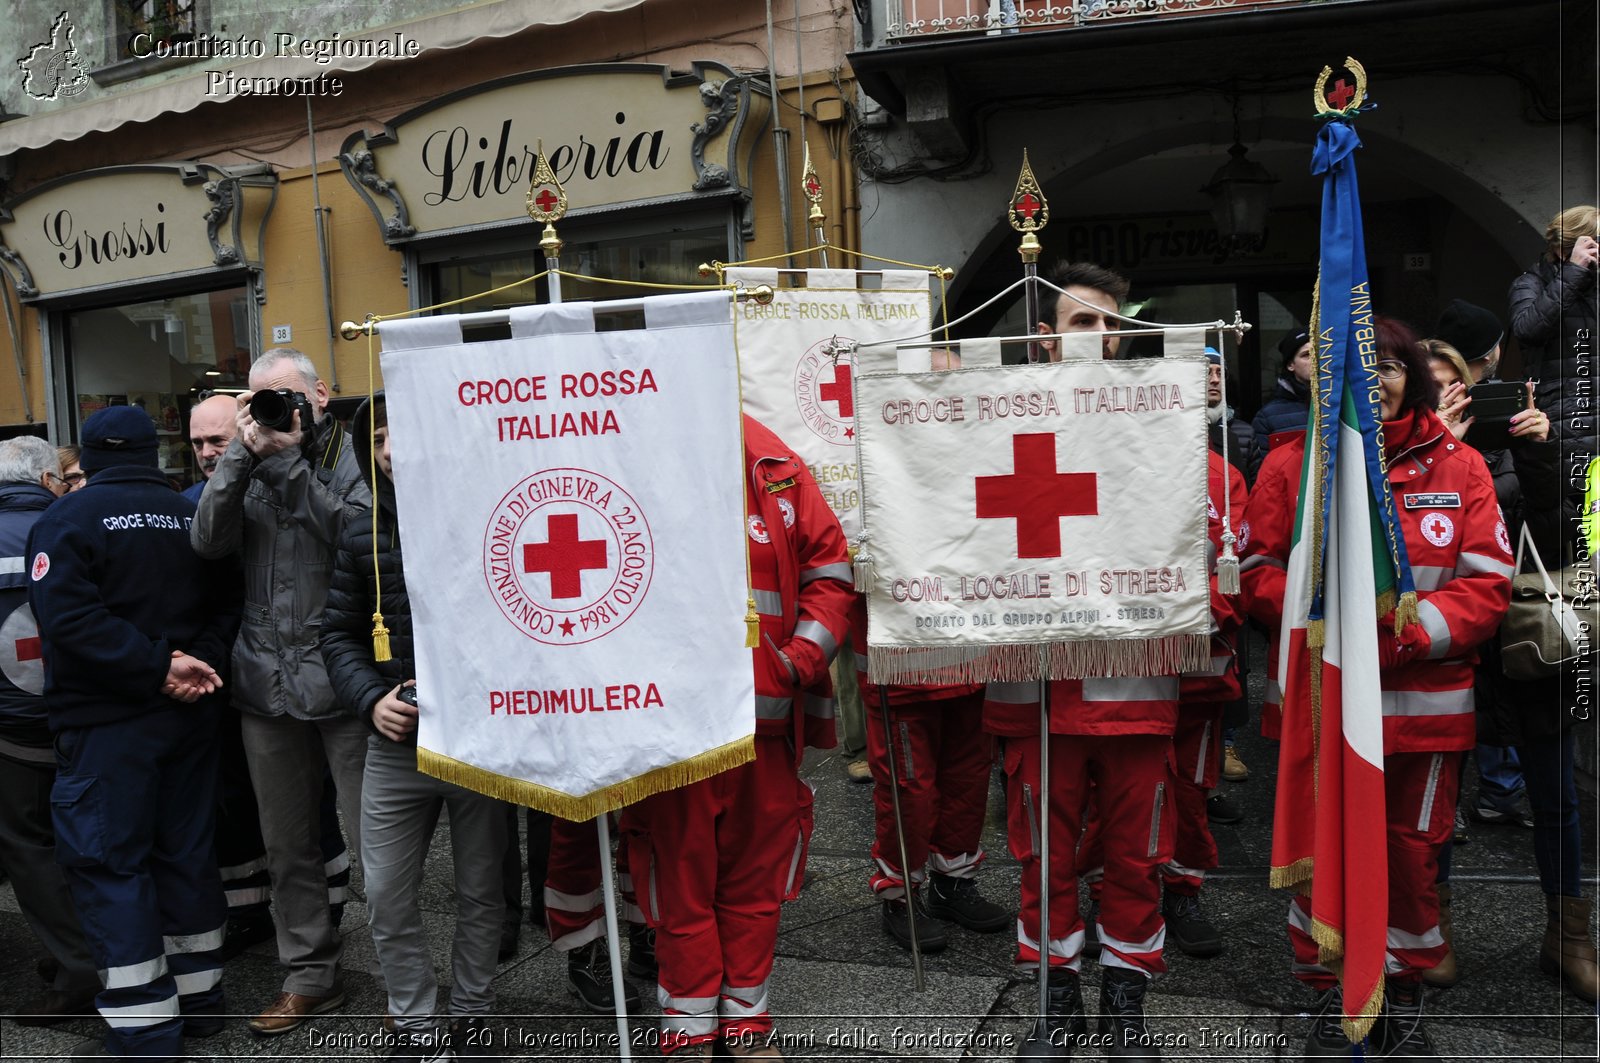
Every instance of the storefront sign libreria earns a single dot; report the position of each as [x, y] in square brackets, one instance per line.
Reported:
[614, 134]
[124, 225]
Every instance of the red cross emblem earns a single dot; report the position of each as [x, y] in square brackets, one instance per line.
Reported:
[568, 556]
[1036, 496]
[1438, 529]
[838, 390]
[564, 556]
[1028, 205]
[1343, 92]
[546, 200]
[21, 651]
[813, 186]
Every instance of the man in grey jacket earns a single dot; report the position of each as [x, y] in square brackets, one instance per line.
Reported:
[280, 498]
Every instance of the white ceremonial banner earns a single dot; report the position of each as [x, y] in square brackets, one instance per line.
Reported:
[792, 383]
[1035, 521]
[572, 508]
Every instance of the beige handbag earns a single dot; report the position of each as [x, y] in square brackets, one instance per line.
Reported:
[1552, 618]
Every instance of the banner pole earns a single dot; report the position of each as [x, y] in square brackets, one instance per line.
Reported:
[547, 203]
[900, 834]
[602, 824]
[1044, 850]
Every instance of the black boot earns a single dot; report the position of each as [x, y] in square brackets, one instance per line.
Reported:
[589, 978]
[958, 900]
[1326, 1039]
[1399, 1033]
[896, 922]
[1122, 1015]
[1187, 926]
[1062, 1027]
[642, 952]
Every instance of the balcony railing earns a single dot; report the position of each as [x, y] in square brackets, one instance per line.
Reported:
[909, 20]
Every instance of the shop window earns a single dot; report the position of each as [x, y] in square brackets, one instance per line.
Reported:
[162, 354]
[670, 258]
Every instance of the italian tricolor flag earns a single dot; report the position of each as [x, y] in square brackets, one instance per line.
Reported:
[1329, 837]
[1347, 568]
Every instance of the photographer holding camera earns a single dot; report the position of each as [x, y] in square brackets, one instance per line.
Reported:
[280, 495]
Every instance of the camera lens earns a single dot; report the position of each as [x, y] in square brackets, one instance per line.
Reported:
[272, 409]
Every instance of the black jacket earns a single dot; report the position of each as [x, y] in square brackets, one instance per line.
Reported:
[22, 716]
[116, 589]
[358, 680]
[1553, 318]
[1289, 409]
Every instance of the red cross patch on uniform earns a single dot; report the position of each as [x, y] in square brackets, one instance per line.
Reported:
[1501, 536]
[788, 512]
[1438, 529]
[41, 565]
[758, 529]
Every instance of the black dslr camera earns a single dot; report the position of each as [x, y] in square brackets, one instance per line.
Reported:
[275, 408]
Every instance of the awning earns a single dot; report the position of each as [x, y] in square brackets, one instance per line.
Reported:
[122, 104]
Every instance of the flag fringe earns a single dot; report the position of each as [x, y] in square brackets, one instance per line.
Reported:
[1168, 655]
[1360, 1024]
[588, 806]
[1330, 942]
[1386, 601]
[1405, 614]
[1292, 875]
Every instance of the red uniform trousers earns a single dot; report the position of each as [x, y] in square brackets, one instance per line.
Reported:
[573, 904]
[942, 759]
[1194, 776]
[715, 860]
[1420, 790]
[1128, 776]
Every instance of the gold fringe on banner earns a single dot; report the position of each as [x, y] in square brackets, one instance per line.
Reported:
[587, 807]
[1005, 663]
[1291, 875]
[1358, 1027]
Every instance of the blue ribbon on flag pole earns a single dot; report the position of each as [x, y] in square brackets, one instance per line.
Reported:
[1347, 347]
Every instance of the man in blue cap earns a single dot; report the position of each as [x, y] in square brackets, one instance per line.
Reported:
[134, 627]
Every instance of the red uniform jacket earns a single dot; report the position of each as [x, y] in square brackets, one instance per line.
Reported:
[1220, 682]
[800, 572]
[1460, 557]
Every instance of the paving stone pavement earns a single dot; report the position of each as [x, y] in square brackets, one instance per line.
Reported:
[841, 989]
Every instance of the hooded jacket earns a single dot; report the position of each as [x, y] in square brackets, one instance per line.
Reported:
[284, 513]
[358, 680]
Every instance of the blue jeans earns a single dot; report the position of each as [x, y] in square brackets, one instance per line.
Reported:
[1500, 779]
[1557, 841]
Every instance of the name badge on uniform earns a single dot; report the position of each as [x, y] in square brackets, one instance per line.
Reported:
[1439, 500]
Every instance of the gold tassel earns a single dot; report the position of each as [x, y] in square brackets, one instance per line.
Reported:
[752, 624]
[380, 640]
[1405, 613]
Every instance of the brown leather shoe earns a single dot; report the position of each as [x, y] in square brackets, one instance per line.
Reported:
[291, 1010]
[1568, 950]
[1448, 972]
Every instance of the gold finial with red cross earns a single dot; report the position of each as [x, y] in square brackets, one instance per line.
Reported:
[1346, 96]
[811, 187]
[547, 202]
[1029, 211]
